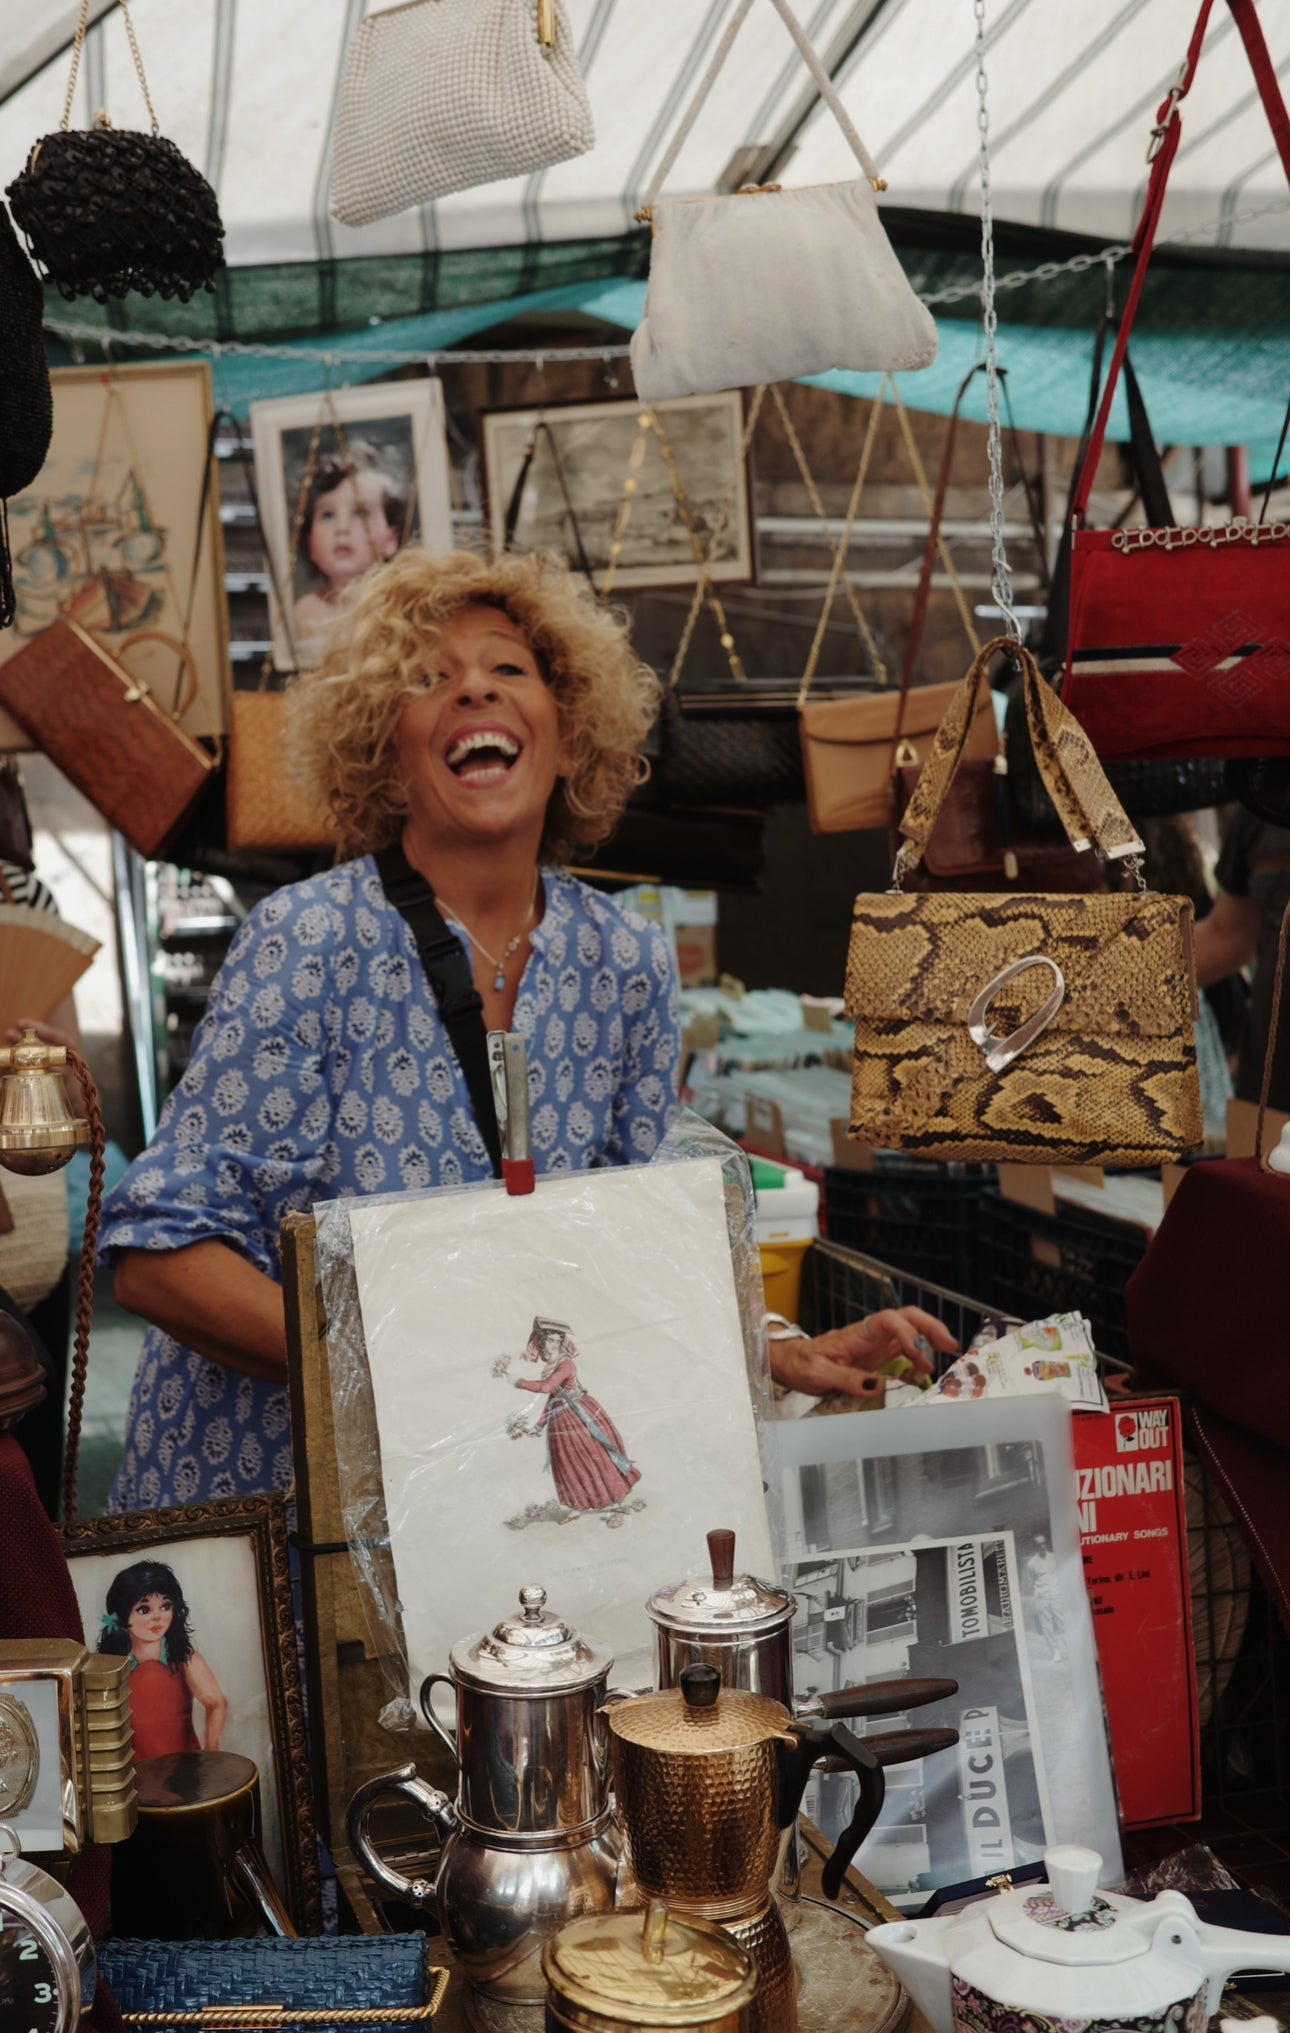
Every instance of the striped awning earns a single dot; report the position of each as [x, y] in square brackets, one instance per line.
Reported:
[248, 89]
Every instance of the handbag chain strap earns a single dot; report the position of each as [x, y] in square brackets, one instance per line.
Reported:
[1088, 808]
[704, 589]
[813, 496]
[823, 82]
[78, 47]
[844, 541]
[1166, 136]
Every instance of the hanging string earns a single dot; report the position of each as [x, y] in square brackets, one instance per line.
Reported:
[1002, 583]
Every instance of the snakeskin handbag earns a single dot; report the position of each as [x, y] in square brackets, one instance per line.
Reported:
[1041, 1029]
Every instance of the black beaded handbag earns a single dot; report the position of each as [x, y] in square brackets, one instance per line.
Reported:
[111, 210]
[26, 402]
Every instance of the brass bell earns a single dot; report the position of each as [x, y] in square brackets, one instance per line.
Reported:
[38, 1131]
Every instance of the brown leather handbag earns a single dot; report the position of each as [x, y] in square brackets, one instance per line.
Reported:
[1044, 1029]
[102, 726]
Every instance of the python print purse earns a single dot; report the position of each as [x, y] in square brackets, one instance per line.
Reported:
[1041, 1029]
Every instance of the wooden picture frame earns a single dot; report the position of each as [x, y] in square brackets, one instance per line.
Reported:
[597, 444]
[107, 532]
[393, 435]
[215, 1551]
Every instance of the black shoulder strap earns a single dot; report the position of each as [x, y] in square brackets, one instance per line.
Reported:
[447, 966]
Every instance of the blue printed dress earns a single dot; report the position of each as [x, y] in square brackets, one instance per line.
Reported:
[321, 1069]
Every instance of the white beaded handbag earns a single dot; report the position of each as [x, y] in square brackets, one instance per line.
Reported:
[442, 95]
[766, 284]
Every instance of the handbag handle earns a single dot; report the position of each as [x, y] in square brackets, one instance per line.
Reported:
[1165, 138]
[187, 662]
[77, 49]
[517, 495]
[823, 84]
[922, 596]
[1073, 777]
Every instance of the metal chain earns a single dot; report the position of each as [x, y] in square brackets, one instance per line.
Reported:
[1002, 586]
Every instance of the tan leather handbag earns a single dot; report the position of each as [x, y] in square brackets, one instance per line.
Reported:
[1044, 1029]
[852, 747]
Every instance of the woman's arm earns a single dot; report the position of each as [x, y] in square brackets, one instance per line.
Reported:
[212, 1300]
[205, 1688]
[559, 1379]
[1227, 939]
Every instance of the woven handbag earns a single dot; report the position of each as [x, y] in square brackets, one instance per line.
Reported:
[1180, 638]
[838, 296]
[1045, 1029]
[442, 95]
[27, 412]
[265, 809]
[113, 210]
[383, 1981]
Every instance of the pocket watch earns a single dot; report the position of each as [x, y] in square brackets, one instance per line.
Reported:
[47, 1966]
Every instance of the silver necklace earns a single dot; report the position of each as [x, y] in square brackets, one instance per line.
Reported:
[499, 979]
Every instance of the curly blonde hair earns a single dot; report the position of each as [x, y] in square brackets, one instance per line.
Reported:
[343, 717]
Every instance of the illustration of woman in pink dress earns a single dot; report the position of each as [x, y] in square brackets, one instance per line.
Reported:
[585, 1451]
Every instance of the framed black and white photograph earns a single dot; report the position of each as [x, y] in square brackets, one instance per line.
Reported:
[345, 479]
[942, 1541]
[598, 473]
[199, 1599]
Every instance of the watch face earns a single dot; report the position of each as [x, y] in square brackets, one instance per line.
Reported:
[28, 1984]
[19, 1756]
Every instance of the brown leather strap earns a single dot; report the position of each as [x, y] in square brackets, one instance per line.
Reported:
[1166, 137]
[922, 597]
[1073, 777]
[1274, 1025]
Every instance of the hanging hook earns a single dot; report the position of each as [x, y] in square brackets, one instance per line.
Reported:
[1109, 266]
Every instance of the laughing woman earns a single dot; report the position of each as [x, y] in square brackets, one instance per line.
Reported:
[490, 717]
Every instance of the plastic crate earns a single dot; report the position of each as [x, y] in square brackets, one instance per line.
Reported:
[919, 1215]
[1073, 1261]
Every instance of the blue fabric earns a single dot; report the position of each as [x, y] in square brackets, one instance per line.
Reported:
[321, 1069]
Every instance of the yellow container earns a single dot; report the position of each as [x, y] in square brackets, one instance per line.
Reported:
[781, 1274]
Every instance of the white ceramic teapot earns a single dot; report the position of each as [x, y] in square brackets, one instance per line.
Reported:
[1066, 1958]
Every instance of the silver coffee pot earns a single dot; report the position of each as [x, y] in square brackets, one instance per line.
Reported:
[744, 1627]
[529, 1842]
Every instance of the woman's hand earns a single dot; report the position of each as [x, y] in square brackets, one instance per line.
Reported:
[829, 1361]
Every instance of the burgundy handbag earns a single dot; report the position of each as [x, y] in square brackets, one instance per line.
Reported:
[1180, 638]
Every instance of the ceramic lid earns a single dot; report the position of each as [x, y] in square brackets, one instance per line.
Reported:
[660, 1969]
[1068, 1920]
[722, 1600]
[700, 1717]
[533, 1652]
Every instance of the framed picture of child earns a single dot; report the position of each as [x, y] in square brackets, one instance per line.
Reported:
[345, 479]
[199, 1599]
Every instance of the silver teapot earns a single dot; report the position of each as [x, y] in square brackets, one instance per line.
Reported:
[529, 1842]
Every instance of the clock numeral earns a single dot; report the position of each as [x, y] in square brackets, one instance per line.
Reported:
[42, 1993]
[28, 1952]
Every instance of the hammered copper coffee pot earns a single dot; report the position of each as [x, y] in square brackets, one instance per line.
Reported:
[708, 1783]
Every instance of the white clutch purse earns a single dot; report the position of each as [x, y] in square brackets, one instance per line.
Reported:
[441, 95]
[767, 284]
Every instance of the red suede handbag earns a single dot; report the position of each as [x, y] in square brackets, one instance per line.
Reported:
[1179, 639]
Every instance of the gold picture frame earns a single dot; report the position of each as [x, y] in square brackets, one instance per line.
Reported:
[599, 452]
[214, 1550]
[107, 532]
